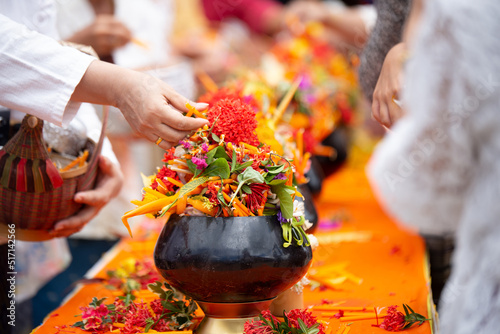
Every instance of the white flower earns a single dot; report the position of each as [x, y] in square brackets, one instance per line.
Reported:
[298, 208]
[179, 151]
[307, 224]
[299, 286]
[313, 240]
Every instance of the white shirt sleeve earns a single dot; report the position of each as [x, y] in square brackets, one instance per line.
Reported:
[37, 74]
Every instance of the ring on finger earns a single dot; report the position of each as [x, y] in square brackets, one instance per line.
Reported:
[158, 141]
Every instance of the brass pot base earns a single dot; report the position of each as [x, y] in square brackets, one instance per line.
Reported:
[229, 318]
[221, 326]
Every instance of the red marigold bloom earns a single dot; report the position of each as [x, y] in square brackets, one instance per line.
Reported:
[235, 119]
[162, 174]
[223, 93]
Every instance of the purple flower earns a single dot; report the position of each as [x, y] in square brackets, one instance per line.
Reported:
[204, 147]
[281, 219]
[280, 176]
[305, 82]
[310, 98]
[187, 145]
[199, 162]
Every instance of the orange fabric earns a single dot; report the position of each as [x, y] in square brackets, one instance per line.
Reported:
[380, 263]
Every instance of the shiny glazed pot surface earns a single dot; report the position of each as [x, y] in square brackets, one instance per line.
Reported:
[227, 260]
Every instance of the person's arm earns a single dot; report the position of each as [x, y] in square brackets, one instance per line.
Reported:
[388, 30]
[146, 102]
[386, 107]
[348, 23]
[105, 35]
[41, 77]
[422, 169]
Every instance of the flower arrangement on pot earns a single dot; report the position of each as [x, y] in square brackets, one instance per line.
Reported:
[223, 170]
[233, 238]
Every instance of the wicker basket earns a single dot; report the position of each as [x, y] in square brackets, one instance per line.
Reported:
[33, 194]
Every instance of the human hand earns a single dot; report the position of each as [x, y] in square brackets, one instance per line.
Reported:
[307, 11]
[105, 35]
[153, 109]
[385, 109]
[109, 183]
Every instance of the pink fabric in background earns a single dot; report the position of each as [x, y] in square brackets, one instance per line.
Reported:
[251, 12]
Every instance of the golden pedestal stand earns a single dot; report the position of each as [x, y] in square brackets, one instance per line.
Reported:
[229, 318]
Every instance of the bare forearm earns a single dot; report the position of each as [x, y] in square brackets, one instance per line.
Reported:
[103, 83]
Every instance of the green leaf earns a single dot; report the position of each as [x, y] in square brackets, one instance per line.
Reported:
[157, 287]
[250, 175]
[302, 325]
[193, 168]
[210, 156]
[289, 189]
[276, 182]
[220, 152]
[219, 167]
[243, 165]
[234, 162]
[149, 323]
[79, 324]
[275, 169]
[215, 138]
[246, 189]
[220, 197]
[286, 202]
[186, 189]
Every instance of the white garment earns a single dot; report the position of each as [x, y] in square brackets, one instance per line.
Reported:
[37, 75]
[439, 169]
[150, 22]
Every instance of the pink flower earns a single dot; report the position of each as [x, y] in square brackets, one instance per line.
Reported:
[204, 147]
[199, 162]
[187, 145]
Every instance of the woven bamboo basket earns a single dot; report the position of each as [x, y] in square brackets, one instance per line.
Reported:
[34, 195]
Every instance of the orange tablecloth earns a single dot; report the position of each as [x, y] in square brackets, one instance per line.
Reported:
[385, 263]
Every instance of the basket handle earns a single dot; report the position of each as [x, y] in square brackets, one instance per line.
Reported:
[87, 180]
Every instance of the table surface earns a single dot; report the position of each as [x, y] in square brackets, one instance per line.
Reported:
[371, 260]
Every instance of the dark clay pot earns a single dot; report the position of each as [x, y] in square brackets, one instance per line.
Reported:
[315, 175]
[339, 140]
[229, 260]
[310, 212]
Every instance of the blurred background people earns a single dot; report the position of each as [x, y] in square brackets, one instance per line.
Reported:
[438, 169]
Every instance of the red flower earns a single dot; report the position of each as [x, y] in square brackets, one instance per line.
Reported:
[223, 93]
[92, 317]
[255, 199]
[162, 174]
[211, 193]
[169, 155]
[136, 317]
[394, 321]
[290, 326]
[235, 119]
[306, 316]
